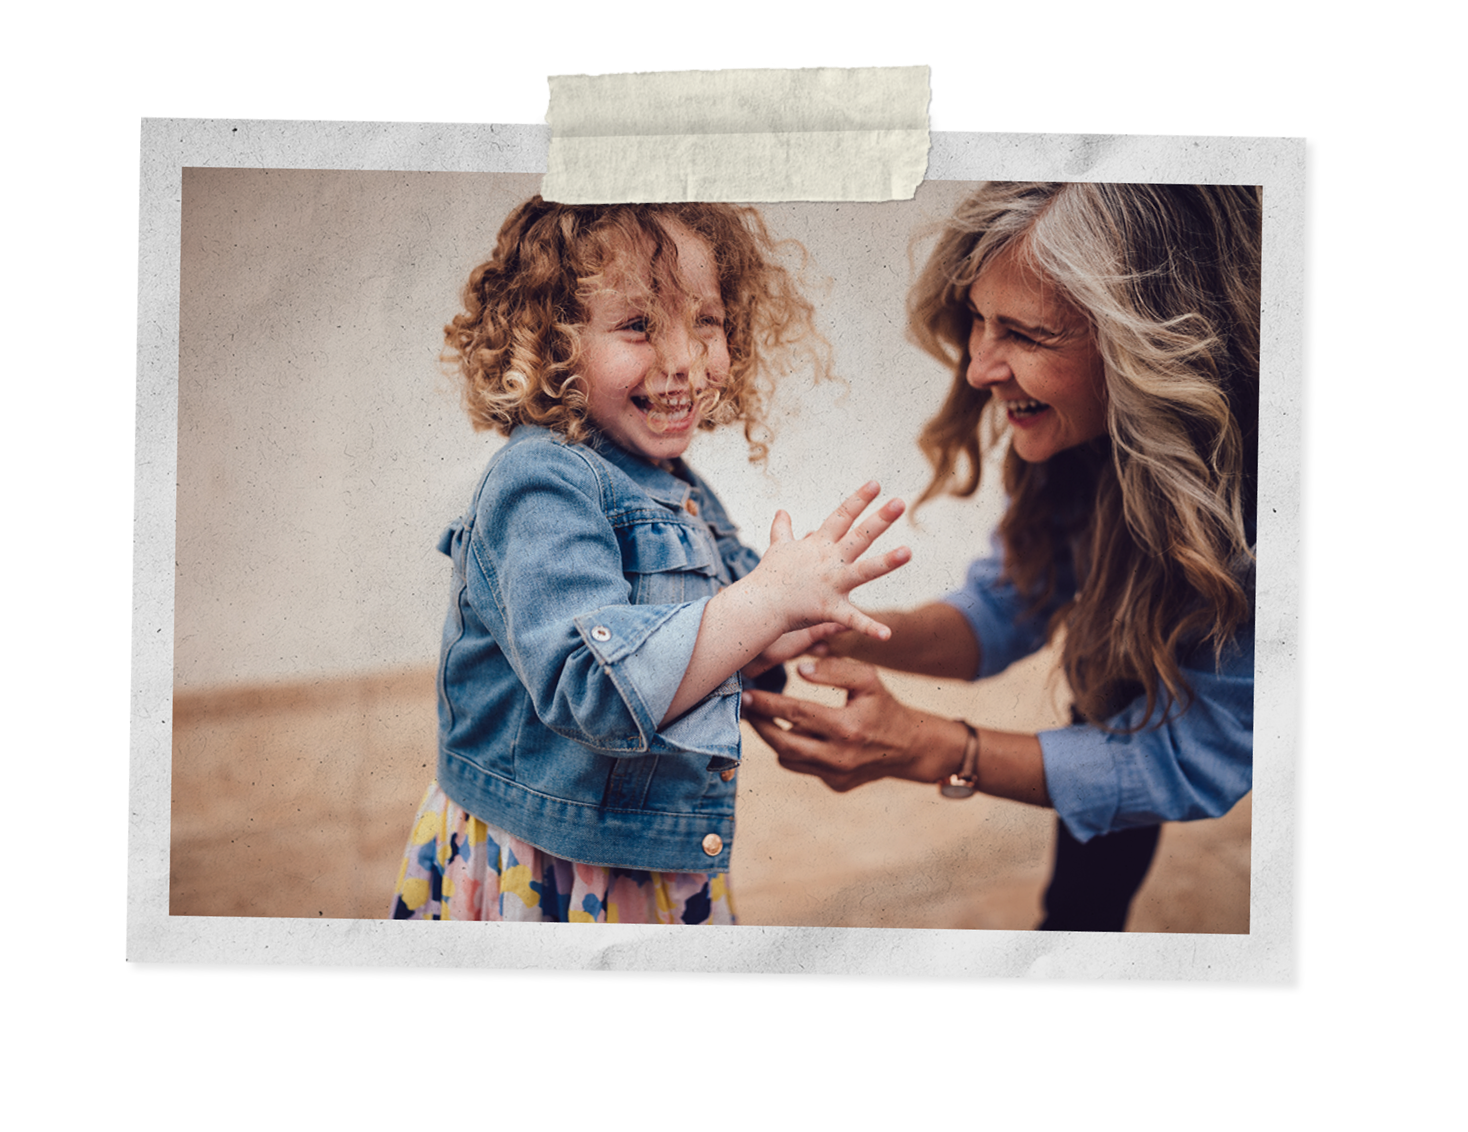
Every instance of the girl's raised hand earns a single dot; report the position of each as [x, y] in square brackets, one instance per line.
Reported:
[806, 580]
[783, 606]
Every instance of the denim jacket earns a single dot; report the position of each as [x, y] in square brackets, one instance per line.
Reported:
[580, 577]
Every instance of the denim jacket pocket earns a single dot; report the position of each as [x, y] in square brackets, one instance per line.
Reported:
[668, 562]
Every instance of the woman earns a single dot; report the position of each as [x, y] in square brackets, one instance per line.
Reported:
[1115, 330]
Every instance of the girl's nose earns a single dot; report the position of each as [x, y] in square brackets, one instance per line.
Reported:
[678, 352]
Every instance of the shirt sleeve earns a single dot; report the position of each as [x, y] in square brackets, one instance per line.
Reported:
[1196, 765]
[1002, 621]
[544, 571]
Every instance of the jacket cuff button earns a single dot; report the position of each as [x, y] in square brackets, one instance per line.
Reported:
[713, 844]
[601, 633]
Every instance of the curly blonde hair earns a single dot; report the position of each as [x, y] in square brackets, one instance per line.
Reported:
[517, 343]
[1160, 510]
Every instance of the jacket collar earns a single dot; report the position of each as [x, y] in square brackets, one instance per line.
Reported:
[662, 485]
[670, 487]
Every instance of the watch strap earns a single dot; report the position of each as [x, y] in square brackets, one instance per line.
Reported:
[965, 783]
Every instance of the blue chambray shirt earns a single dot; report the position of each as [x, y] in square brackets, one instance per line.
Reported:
[580, 576]
[1196, 765]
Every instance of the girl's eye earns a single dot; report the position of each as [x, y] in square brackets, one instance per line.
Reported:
[636, 325]
[714, 320]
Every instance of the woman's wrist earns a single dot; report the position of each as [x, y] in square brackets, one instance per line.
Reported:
[1012, 766]
[1004, 764]
[937, 748]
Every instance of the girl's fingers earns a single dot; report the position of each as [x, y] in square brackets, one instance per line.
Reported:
[870, 568]
[780, 529]
[841, 519]
[853, 618]
[876, 526]
[868, 627]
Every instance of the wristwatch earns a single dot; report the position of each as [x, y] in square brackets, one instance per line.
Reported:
[965, 783]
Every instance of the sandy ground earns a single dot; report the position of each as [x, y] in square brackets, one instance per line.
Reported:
[296, 801]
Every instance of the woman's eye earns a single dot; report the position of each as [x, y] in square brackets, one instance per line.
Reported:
[635, 325]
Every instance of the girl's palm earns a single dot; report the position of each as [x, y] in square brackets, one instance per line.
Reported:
[812, 576]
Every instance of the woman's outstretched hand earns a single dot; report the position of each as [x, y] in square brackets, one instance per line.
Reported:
[876, 736]
[873, 736]
[803, 583]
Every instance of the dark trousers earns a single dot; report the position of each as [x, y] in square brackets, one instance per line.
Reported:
[1093, 883]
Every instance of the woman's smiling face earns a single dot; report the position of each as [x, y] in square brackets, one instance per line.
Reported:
[1035, 353]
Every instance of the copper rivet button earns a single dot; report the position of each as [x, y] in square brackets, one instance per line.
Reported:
[728, 775]
[713, 845]
[601, 633]
[691, 506]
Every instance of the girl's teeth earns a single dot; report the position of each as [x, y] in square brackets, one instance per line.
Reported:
[664, 412]
[655, 404]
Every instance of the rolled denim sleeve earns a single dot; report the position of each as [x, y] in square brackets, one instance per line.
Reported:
[1196, 765]
[644, 651]
[545, 574]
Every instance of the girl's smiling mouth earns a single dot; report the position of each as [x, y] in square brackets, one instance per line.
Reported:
[667, 413]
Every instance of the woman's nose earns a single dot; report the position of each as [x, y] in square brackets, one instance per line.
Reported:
[987, 365]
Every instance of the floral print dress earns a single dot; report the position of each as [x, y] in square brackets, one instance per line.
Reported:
[457, 867]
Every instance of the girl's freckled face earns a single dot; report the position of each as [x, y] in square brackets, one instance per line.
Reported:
[643, 393]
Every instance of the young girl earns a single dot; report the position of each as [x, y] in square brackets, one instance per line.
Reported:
[603, 609]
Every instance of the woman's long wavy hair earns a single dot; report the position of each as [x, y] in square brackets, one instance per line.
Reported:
[517, 343]
[1159, 512]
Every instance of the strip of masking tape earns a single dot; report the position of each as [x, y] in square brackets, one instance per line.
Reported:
[820, 134]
